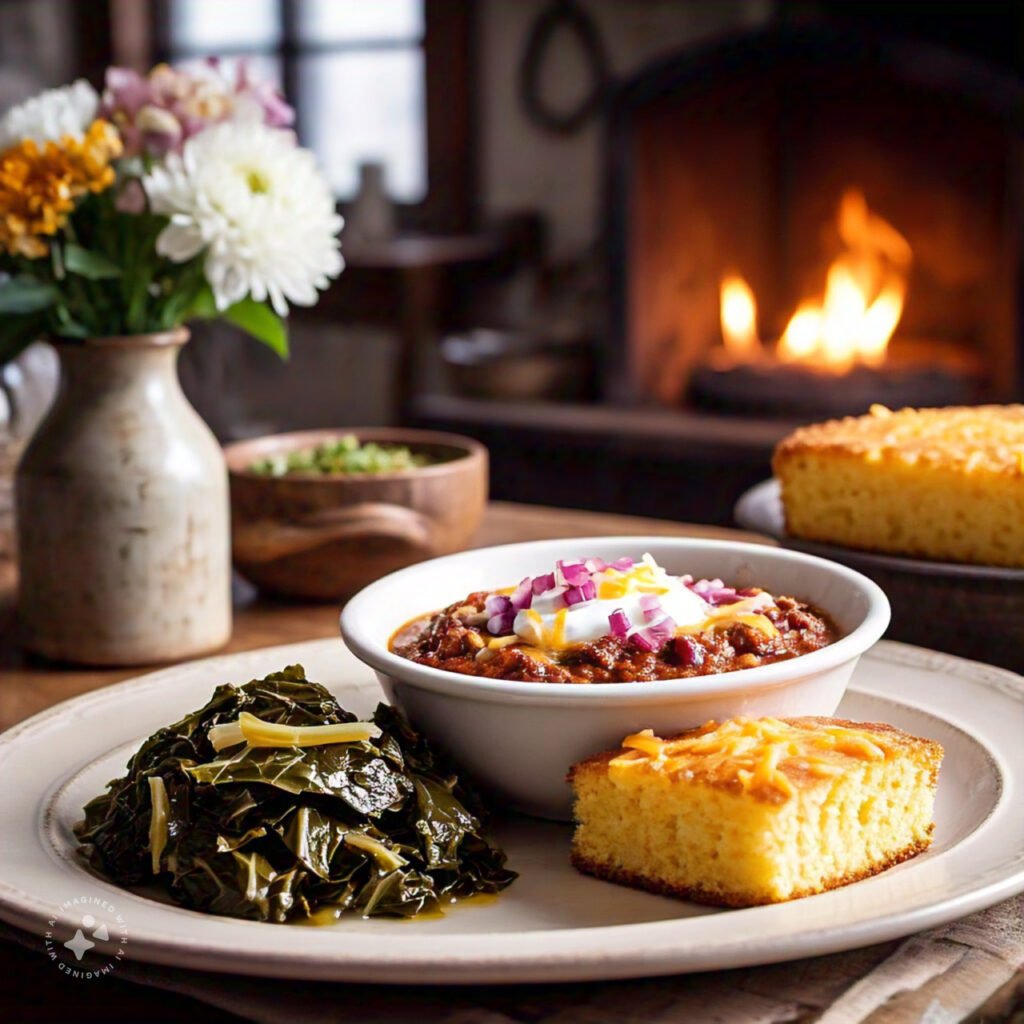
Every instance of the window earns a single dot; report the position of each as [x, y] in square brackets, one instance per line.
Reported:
[353, 69]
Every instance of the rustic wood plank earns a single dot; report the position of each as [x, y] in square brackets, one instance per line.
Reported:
[950, 996]
[913, 965]
[950, 970]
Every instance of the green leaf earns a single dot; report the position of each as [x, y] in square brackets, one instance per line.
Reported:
[25, 295]
[69, 327]
[255, 318]
[260, 321]
[349, 771]
[89, 264]
[203, 307]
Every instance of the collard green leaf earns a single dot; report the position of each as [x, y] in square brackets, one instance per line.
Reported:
[261, 833]
[349, 771]
[313, 839]
[443, 822]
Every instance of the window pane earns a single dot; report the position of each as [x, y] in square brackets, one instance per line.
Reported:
[370, 106]
[344, 21]
[209, 24]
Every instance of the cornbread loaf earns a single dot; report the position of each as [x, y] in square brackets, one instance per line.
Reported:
[754, 811]
[945, 484]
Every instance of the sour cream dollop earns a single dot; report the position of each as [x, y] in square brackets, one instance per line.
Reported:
[548, 623]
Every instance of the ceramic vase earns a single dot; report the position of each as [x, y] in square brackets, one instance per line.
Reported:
[122, 512]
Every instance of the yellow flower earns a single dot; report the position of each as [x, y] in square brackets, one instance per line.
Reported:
[40, 183]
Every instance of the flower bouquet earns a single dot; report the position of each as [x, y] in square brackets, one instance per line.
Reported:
[176, 195]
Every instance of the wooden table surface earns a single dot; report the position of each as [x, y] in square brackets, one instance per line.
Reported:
[969, 970]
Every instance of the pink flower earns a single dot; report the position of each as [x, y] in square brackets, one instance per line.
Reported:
[157, 113]
[132, 197]
[276, 111]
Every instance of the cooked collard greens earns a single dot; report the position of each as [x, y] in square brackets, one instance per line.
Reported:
[275, 833]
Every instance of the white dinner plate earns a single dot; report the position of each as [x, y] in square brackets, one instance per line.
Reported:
[552, 924]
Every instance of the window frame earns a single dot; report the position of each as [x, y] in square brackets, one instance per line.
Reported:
[449, 204]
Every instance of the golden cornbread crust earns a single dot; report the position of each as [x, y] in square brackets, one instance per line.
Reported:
[923, 750]
[716, 898]
[944, 484]
[964, 437]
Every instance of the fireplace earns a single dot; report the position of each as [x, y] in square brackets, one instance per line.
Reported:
[807, 221]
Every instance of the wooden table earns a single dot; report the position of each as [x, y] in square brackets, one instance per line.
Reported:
[971, 969]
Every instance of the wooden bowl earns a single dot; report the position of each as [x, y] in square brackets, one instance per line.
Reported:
[316, 536]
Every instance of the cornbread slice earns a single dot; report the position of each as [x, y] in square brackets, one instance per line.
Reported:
[946, 484]
[754, 810]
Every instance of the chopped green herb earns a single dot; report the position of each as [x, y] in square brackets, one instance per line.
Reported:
[346, 455]
[378, 826]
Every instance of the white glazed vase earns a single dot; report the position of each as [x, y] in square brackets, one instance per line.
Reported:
[122, 512]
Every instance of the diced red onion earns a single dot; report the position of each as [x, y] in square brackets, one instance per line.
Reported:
[578, 595]
[619, 623]
[501, 624]
[522, 596]
[555, 596]
[573, 573]
[758, 602]
[623, 564]
[689, 651]
[654, 636]
[643, 640]
[715, 584]
[543, 583]
[650, 605]
[595, 565]
[662, 629]
[715, 592]
[496, 604]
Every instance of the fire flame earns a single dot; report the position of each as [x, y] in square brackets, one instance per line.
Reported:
[739, 318]
[865, 288]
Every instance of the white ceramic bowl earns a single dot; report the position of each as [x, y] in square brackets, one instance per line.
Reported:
[519, 739]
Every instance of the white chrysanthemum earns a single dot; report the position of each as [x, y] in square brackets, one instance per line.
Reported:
[258, 206]
[51, 115]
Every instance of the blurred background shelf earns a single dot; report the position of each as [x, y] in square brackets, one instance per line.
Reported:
[660, 462]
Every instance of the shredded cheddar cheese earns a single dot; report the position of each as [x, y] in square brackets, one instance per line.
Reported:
[645, 578]
[722, 617]
[159, 809]
[496, 643]
[556, 637]
[258, 733]
[763, 753]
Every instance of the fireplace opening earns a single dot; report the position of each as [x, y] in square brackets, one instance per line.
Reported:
[808, 221]
[835, 353]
